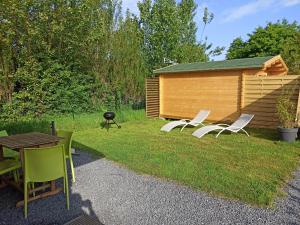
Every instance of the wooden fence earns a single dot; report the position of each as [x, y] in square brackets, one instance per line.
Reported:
[152, 97]
[259, 96]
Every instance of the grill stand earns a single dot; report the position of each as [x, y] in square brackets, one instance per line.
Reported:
[107, 123]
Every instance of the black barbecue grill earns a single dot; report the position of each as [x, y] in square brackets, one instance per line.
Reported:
[109, 119]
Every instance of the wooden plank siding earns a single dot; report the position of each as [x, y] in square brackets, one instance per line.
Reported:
[260, 96]
[152, 97]
[183, 95]
[226, 93]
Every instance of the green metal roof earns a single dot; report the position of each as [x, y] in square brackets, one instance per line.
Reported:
[251, 63]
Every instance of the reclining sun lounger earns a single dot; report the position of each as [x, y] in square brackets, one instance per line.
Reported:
[199, 118]
[237, 126]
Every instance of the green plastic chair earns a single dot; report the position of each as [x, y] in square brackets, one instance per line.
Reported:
[7, 152]
[66, 141]
[42, 165]
[10, 165]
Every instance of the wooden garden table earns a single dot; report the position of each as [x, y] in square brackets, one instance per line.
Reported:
[18, 143]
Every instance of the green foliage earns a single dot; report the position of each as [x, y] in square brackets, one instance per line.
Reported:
[188, 28]
[237, 49]
[291, 54]
[160, 24]
[286, 109]
[169, 32]
[127, 67]
[75, 122]
[207, 18]
[85, 121]
[68, 56]
[281, 37]
[43, 88]
[25, 126]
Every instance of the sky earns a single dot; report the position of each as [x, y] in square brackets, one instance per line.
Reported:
[234, 18]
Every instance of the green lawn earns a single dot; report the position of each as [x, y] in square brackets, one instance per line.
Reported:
[251, 169]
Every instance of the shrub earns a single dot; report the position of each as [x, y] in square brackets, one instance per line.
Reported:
[48, 88]
[286, 109]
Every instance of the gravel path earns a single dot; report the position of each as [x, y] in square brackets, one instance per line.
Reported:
[118, 196]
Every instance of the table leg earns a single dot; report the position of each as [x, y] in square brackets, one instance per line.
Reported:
[21, 152]
[53, 185]
[1, 153]
[2, 184]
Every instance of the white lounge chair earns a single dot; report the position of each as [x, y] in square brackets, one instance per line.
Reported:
[237, 126]
[199, 118]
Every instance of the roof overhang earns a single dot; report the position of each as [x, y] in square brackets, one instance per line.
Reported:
[208, 70]
[276, 62]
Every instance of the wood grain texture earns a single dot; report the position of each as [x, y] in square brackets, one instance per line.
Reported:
[28, 140]
[152, 97]
[261, 94]
[183, 95]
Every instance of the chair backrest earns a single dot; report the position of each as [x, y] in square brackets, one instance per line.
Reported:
[44, 164]
[3, 133]
[200, 117]
[241, 122]
[66, 141]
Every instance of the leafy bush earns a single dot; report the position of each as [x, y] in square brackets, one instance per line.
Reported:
[48, 88]
[286, 109]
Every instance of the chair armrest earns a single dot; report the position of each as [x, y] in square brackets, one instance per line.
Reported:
[223, 124]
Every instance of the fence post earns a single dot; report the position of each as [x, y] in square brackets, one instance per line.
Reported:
[298, 108]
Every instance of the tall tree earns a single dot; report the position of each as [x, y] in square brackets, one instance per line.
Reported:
[188, 48]
[160, 23]
[188, 27]
[206, 19]
[291, 54]
[169, 32]
[281, 37]
[127, 65]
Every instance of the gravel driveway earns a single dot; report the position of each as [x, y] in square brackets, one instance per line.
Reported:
[119, 196]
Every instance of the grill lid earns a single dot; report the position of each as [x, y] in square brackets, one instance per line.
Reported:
[109, 115]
